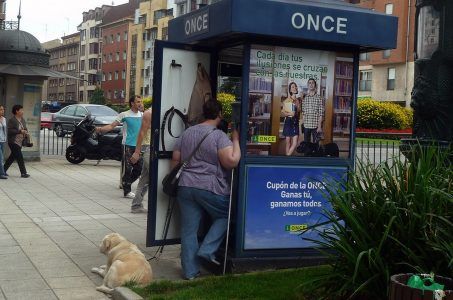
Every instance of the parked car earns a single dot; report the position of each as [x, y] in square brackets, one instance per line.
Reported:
[46, 119]
[65, 119]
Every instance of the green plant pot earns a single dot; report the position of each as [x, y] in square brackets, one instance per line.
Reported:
[399, 290]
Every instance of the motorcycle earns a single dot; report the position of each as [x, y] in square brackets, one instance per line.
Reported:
[85, 144]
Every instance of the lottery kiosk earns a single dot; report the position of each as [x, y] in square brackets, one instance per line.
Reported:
[292, 67]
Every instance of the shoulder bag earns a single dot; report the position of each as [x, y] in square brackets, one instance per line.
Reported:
[171, 180]
[27, 142]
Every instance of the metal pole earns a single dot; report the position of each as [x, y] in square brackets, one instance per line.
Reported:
[228, 225]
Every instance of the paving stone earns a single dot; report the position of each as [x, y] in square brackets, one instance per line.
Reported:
[71, 282]
[31, 294]
[68, 270]
[10, 286]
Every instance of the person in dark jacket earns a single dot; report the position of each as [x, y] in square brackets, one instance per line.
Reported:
[17, 129]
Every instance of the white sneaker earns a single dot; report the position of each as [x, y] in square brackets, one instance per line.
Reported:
[130, 195]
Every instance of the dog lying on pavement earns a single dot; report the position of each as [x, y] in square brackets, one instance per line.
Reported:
[125, 263]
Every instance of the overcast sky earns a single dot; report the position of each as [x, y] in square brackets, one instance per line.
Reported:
[52, 19]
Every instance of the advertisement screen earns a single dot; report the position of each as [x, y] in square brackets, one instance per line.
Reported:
[283, 201]
[300, 102]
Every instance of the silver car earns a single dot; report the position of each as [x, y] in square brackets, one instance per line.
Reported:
[65, 119]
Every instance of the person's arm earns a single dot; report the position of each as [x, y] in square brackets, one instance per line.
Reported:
[107, 128]
[175, 158]
[321, 116]
[229, 156]
[13, 127]
[146, 125]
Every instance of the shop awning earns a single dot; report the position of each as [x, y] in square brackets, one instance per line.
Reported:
[327, 21]
[24, 70]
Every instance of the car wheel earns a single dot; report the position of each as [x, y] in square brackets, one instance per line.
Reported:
[74, 155]
[59, 130]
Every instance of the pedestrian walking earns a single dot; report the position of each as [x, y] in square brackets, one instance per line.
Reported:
[143, 144]
[3, 139]
[17, 129]
[131, 120]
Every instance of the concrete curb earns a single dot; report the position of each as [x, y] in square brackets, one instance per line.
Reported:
[123, 293]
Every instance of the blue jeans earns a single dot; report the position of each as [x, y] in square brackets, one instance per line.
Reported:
[192, 203]
[2, 148]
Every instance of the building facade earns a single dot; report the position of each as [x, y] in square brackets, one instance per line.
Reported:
[151, 23]
[64, 57]
[90, 54]
[389, 75]
[2, 13]
[114, 60]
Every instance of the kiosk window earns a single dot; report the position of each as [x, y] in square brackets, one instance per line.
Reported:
[300, 102]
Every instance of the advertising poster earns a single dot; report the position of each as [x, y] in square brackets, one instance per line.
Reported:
[300, 102]
[32, 110]
[283, 201]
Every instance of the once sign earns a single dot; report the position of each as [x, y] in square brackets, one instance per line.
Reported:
[197, 23]
[317, 23]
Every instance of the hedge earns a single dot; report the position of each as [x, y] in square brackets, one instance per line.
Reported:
[226, 100]
[382, 115]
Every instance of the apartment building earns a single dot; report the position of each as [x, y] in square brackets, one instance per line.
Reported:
[186, 6]
[90, 54]
[64, 57]
[389, 75]
[150, 23]
[2, 13]
[115, 29]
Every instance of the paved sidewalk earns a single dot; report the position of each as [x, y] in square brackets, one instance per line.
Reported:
[52, 223]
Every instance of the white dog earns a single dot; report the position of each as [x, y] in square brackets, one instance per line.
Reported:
[125, 263]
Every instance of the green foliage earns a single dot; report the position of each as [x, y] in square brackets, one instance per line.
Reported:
[382, 115]
[118, 107]
[98, 96]
[226, 100]
[231, 85]
[281, 284]
[396, 218]
[147, 102]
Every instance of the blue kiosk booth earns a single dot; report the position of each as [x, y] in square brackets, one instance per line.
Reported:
[293, 67]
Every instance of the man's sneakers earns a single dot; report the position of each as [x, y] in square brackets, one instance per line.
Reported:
[138, 210]
[130, 195]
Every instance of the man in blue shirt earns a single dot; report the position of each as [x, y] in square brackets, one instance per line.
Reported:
[132, 120]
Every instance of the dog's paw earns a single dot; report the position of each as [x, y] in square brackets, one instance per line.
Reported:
[104, 289]
[98, 271]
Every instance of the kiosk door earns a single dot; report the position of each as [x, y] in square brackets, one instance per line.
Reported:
[181, 79]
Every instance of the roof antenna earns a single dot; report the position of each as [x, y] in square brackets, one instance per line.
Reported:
[19, 16]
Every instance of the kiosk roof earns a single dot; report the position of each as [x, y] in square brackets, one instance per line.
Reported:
[327, 22]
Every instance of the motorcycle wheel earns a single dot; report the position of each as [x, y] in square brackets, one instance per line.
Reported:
[59, 130]
[74, 155]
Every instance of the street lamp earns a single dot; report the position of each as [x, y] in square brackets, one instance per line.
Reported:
[432, 95]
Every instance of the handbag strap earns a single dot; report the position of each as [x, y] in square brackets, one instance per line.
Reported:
[186, 162]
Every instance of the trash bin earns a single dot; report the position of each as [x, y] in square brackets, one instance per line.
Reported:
[399, 290]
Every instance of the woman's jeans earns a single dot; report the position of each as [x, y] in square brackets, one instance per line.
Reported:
[16, 154]
[192, 203]
[2, 149]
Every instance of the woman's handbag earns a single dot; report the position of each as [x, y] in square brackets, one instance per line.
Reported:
[27, 142]
[171, 180]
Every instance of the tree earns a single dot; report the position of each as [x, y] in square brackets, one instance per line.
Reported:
[98, 96]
